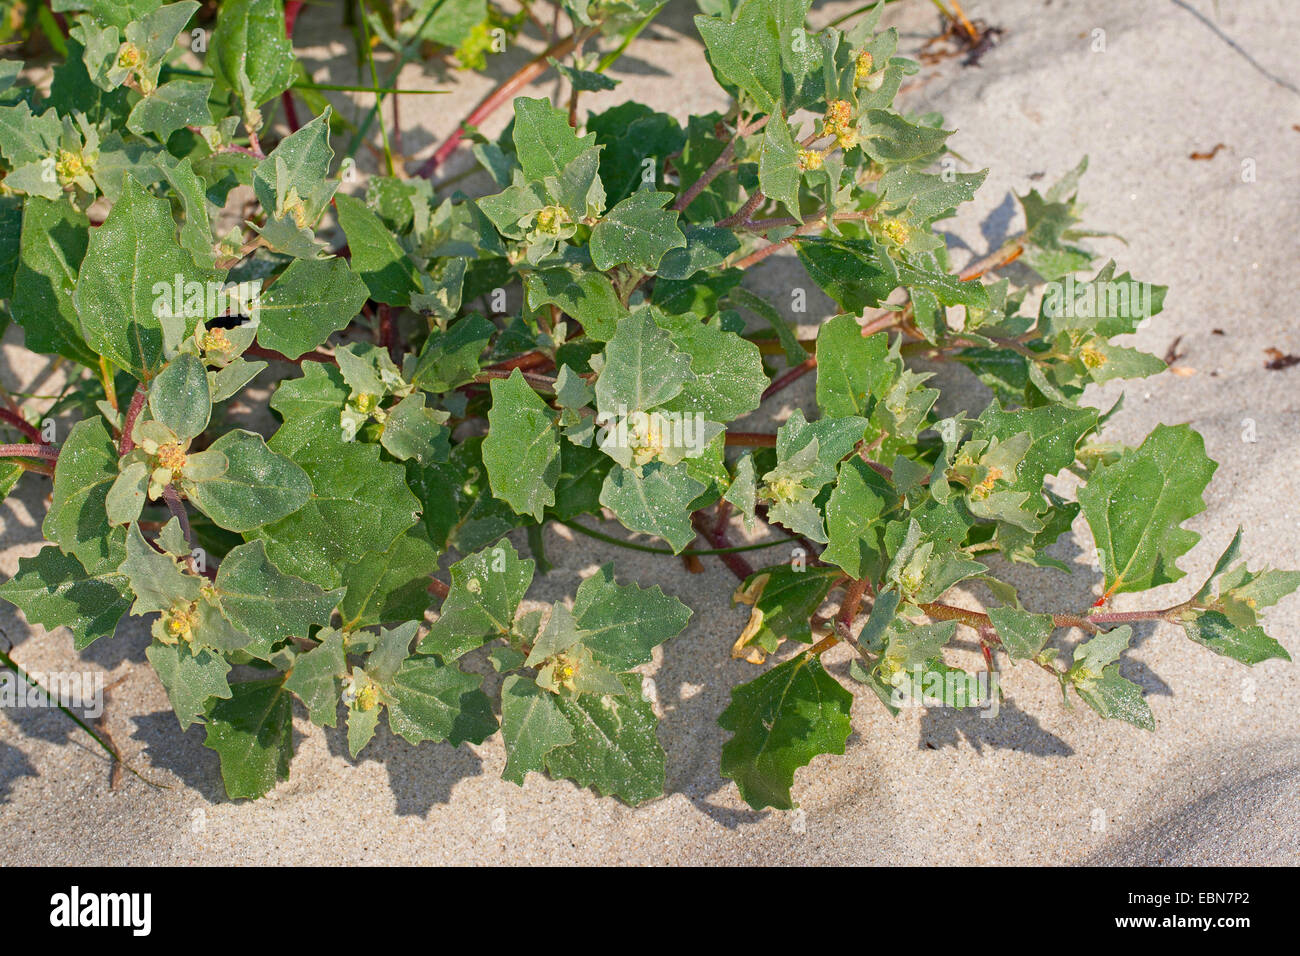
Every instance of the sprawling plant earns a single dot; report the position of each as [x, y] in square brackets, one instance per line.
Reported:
[574, 344]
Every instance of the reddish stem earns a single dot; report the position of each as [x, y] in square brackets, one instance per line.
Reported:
[24, 450]
[438, 588]
[127, 443]
[497, 98]
[531, 360]
[24, 426]
[717, 537]
[791, 375]
[257, 351]
[750, 440]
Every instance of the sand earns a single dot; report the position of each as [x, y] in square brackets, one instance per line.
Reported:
[1216, 782]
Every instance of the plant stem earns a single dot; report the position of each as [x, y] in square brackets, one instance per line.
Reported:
[718, 165]
[750, 440]
[127, 444]
[716, 534]
[22, 424]
[790, 375]
[113, 752]
[374, 79]
[24, 450]
[497, 98]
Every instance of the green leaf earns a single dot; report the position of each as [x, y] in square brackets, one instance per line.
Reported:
[317, 678]
[196, 231]
[1054, 431]
[656, 500]
[1137, 505]
[728, 371]
[412, 431]
[451, 359]
[172, 106]
[545, 143]
[630, 134]
[1023, 635]
[11, 226]
[638, 231]
[623, 624]
[615, 748]
[746, 53]
[430, 700]
[350, 489]
[794, 352]
[390, 586]
[310, 405]
[1248, 644]
[851, 369]
[191, 678]
[54, 590]
[387, 271]
[779, 722]
[779, 173]
[252, 732]
[643, 368]
[587, 296]
[522, 449]
[532, 725]
[179, 397]
[257, 487]
[706, 248]
[784, 599]
[267, 604]
[125, 290]
[77, 520]
[157, 579]
[311, 299]
[857, 273]
[855, 520]
[251, 56]
[486, 589]
[891, 140]
[53, 244]
[460, 511]
[1111, 695]
[927, 197]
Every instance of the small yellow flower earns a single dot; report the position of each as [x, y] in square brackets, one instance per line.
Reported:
[216, 340]
[1092, 358]
[69, 166]
[866, 64]
[367, 698]
[564, 670]
[181, 621]
[552, 219]
[839, 115]
[366, 403]
[810, 159]
[129, 57]
[172, 457]
[896, 231]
